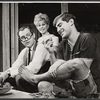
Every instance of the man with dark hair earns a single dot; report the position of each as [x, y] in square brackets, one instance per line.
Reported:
[76, 58]
[33, 57]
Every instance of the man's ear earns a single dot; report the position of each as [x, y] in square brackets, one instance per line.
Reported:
[71, 22]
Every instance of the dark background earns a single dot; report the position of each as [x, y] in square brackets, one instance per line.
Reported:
[87, 14]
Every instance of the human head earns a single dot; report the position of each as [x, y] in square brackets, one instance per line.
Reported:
[64, 23]
[65, 17]
[45, 87]
[41, 21]
[26, 36]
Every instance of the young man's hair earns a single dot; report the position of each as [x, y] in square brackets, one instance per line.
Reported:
[65, 17]
[24, 27]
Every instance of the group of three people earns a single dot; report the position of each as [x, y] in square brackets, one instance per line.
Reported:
[74, 62]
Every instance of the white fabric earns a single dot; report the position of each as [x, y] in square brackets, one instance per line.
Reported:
[38, 58]
[53, 37]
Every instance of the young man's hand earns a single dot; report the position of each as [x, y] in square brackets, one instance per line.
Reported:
[53, 69]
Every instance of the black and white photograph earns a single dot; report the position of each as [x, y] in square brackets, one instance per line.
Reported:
[49, 50]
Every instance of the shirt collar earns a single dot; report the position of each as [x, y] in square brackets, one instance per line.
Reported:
[34, 46]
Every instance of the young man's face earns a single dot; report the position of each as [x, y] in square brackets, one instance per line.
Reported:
[26, 37]
[63, 28]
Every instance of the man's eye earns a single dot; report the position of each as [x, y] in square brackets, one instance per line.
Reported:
[60, 24]
[23, 37]
[28, 34]
[38, 25]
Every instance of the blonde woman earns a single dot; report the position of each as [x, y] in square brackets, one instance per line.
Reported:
[42, 23]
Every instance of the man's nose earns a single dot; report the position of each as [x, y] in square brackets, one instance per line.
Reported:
[26, 38]
[58, 31]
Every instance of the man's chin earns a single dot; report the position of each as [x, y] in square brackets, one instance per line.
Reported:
[28, 46]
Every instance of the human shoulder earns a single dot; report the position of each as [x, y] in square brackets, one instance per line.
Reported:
[24, 50]
[40, 47]
[40, 40]
[86, 35]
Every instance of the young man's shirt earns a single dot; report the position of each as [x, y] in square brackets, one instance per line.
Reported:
[85, 47]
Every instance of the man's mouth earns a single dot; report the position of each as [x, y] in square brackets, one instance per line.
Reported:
[61, 31]
[27, 43]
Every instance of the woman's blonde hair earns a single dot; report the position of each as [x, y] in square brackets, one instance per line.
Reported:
[41, 16]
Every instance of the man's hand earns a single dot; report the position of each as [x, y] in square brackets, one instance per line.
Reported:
[3, 76]
[26, 74]
[53, 69]
[1, 81]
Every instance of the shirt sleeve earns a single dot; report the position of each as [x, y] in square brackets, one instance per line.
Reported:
[40, 57]
[19, 62]
[87, 46]
[41, 40]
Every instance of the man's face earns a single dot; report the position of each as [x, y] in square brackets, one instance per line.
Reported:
[26, 37]
[63, 28]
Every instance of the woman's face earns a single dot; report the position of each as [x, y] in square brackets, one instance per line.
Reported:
[42, 27]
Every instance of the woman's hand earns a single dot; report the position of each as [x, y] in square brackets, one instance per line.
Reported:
[48, 43]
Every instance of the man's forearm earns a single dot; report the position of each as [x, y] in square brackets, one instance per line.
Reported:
[13, 71]
[5, 75]
[53, 58]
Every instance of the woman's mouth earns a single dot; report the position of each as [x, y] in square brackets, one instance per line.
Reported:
[42, 30]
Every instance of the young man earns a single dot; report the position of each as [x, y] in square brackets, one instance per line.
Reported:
[79, 54]
[34, 60]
